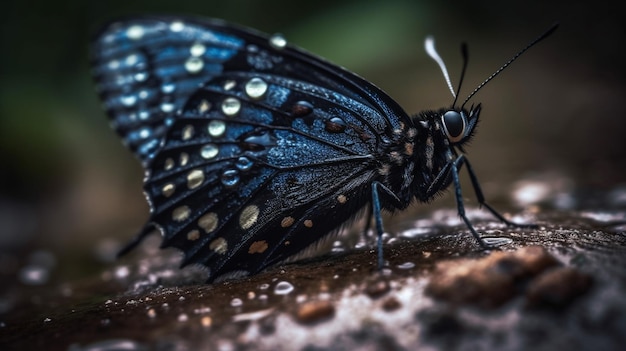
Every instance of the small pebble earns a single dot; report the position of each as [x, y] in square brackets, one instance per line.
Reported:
[489, 281]
[557, 287]
[391, 304]
[377, 288]
[315, 311]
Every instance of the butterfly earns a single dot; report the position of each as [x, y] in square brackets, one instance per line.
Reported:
[254, 149]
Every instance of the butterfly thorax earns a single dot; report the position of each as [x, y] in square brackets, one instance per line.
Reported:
[433, 152]
[416, 163]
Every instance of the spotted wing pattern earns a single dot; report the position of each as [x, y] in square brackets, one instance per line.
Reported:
[253, 149]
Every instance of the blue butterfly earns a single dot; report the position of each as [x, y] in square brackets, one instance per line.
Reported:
[255, 149]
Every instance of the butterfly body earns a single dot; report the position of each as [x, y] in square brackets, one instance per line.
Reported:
[255, 149]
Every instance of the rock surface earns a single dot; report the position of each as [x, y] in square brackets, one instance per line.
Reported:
[559, 286]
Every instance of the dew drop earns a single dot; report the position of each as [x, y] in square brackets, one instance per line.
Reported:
[216, 128]
[128, 100]
[204, 106]
[236, 302]
[229, 85]
[230, 177]
[167, 107]
[335, 125]
[231, 106]
[194, 65]
[197, 49]
[497, 241]
[188, 131]
[256, 88]
[169, 164]
[144, 115]
[278, 41]
[243, 163]
[135, 32]
[144, 133]
[168, 88]
[195, 178]
[301, 109]
[283, 288]
[406, 265]
[259, 141]
[184, 158]
[141, 76]
[209, 151]
[131, 59]
[177, 26]
[168, 189]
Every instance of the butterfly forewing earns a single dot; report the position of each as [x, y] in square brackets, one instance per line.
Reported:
[146, 69]
[253, 151]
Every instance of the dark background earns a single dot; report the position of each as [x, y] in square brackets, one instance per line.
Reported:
[67, 185]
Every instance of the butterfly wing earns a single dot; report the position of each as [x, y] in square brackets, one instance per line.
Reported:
[262, 148]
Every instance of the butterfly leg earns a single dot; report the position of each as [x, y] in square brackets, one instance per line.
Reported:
[481, 198]
[455, 165]
[368, 222]
[376, 209]
[136, 240]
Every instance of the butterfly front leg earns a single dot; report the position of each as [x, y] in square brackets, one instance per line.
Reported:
[454, 168]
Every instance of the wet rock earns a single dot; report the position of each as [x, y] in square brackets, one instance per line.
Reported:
[342, 302]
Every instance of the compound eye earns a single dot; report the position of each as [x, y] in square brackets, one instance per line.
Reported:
[454, 125]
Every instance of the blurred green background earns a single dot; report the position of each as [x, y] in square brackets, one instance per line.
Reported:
[67, 184]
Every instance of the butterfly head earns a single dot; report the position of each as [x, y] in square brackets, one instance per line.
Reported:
[458, 125]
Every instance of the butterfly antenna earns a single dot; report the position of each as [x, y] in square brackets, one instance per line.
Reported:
[519, 53]
[429, 45]
[465, 55]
